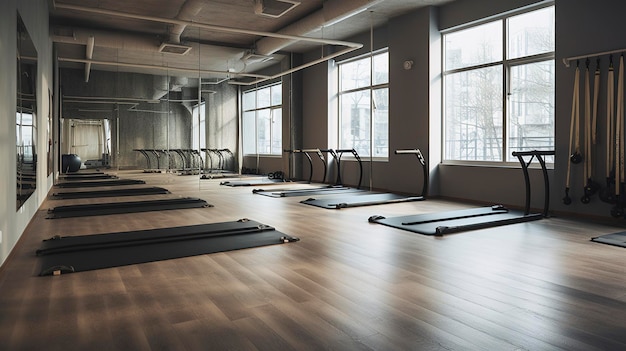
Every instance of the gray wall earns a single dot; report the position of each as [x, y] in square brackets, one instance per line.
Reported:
[581, 27]
[222, 122]
[35, 16]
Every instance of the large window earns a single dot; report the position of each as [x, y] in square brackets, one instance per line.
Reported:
[262, 120]
[198, 133]
[499, 87]
[364, 105]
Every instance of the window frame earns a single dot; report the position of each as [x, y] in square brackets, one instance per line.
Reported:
[270, 108]
[507, 65]
[370, 88]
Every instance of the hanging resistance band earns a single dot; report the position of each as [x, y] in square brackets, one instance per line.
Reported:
[608, 194]
[589, 186]
[618, 210]
[573, 131]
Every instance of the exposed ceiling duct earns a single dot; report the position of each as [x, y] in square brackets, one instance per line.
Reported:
[333, 11]
[226, 73]
[188, 11]
[105, 39]
[89, 55]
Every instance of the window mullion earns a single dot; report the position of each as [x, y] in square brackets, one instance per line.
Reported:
[505, 89]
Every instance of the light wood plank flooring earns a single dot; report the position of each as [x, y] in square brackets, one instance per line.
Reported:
[347, 285]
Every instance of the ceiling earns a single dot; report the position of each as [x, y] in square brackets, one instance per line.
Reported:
[228, 39]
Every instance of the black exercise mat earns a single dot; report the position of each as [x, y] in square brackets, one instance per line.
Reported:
[356, 200]
[97, 183]
[109, 193]
[253, 182]
[88, 252]
[305, 192]
[456, 221]
[79, 177]
[80, 173]
[125, 207]
[616, 239]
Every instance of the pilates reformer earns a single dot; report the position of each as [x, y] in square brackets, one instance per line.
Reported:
[476, 218]
[67, 254]
[109, 193]
[79, 177]
[327, 189]
[222, 170]
[98, 183]
[357, 199]
[190, 160]
[108, 208]
[156, 154]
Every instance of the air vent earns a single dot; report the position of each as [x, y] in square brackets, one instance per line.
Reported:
[252, 58]
[274, 8]
[176, 49]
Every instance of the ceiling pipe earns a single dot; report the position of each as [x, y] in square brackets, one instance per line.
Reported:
[163, 68]
[204, 26]
[107, 39]
[188, 11]
[349, 46]
[89, 56]
[332, 12]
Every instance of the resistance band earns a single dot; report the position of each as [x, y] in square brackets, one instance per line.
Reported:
[574, 128]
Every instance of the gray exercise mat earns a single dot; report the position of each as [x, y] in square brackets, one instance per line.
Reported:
[356, 200]
[456, 221]
[616, 239]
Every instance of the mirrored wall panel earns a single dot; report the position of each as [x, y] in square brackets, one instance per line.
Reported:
[25, 117]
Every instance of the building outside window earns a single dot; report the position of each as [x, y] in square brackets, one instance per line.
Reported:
[364, 104]
[262, 120]
[499, 87]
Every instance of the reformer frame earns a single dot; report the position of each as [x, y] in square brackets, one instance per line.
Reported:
[478, 218]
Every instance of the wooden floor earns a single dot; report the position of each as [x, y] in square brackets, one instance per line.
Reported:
[347, 285]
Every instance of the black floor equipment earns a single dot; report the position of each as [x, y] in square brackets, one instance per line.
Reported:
[125, 207]
[478, 218]
[356, 200]
[253, 182]
[324, 190]
[86, 176]
[81, 253]
[373, 198]
[97, 183]
[109, 193]
[306, 192]
[616, 239]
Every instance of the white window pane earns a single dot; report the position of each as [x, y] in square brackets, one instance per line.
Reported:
[381, 68]
[473, 115]
[277, 130]
[531, 108]
[264, 130]
[355, 121]
[477, 45]
[248, 100]
[381, 123]
[277, 95]
[531, 33]
[249, 133]
[263, 97]
[355, 74]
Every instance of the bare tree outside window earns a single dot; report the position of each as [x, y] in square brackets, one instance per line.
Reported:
[364, 105]
[262, 120]
[484, 119]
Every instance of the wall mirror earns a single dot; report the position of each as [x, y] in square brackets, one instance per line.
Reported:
[25, 117]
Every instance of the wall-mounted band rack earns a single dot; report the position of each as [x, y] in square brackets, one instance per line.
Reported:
[568, 60]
